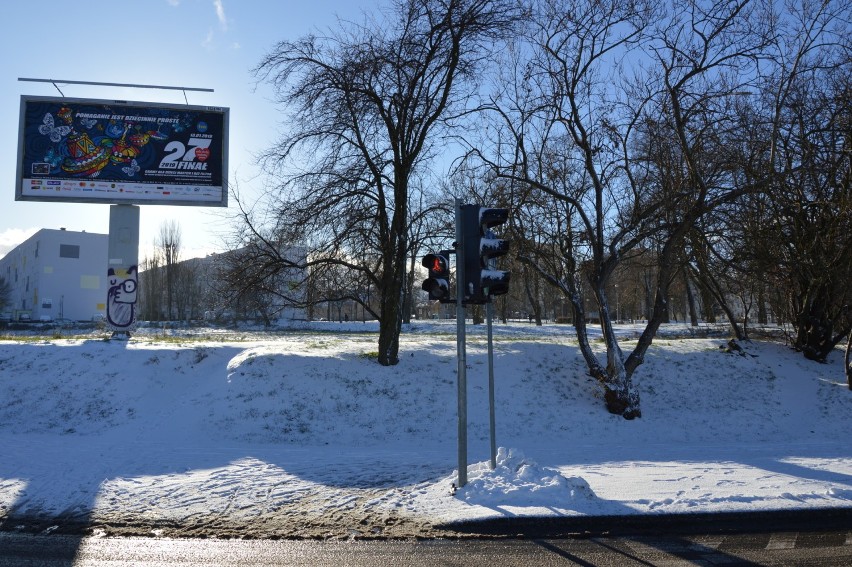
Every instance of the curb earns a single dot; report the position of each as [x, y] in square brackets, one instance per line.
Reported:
[825, 519]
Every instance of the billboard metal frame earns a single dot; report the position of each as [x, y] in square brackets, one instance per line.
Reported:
[121, 152]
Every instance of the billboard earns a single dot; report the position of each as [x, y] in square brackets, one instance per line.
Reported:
[120, 152]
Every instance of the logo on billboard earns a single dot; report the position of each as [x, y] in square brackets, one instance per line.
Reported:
[184, 156]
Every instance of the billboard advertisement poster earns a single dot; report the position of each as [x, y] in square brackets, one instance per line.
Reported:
[119, 152]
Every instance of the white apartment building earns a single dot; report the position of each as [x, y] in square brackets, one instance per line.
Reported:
[57, 274]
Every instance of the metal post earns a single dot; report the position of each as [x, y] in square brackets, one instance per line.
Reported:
[123, 270]
[125, 85]
[461, 348]
[489, 315]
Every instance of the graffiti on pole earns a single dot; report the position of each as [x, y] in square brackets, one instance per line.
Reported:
[121, 298]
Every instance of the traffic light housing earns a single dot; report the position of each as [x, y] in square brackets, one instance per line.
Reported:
[480, 247]
[438, 282]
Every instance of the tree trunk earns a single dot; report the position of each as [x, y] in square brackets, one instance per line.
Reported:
[848, 360]
[714, 288]
[477, 314]
[620, 396]
[732, 320]
[813, 337]
[648, 288]
[815, 326]
[707, 303]
[532, 296]
[390, 322]
[762, 317]
[690, 298]
[504, 310]
[390, 316]
[408, 303]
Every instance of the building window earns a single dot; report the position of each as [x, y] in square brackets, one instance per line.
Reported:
[69, 251]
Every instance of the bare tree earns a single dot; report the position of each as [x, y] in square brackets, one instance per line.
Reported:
[848, 360]
[151, 287]
[810, 156]
[168, 244]
[430, 228]
[189, 290]
[5, 293]
[261, 278]
[366, 103]
[794, 138]
[625, 155]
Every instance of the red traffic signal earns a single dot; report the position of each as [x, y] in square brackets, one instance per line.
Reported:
[438, 282]
[436, 263]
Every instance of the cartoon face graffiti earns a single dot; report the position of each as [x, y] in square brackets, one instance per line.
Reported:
[121, 298]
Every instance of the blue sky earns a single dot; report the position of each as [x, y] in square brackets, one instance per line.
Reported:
[189, 43]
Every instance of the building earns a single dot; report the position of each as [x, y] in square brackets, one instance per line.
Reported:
[279, 298]
[57, 274]
[199, 288]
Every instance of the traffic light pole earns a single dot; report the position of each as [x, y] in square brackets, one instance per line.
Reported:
[489, 315]
[477, 281]
[461, 348]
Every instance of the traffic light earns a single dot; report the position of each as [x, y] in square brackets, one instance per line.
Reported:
[480, 247]
[438, 282]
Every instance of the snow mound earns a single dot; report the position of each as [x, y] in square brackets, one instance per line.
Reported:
[518, 481]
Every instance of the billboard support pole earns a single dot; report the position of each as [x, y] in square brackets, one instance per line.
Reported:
[123, 85]
[123, 270]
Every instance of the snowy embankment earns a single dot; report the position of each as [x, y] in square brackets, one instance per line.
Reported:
[303, 434]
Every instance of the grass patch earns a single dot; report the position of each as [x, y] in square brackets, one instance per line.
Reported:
[47, 337]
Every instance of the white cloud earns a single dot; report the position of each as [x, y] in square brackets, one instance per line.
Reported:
[12, 237]
[208, 41]
[220, 14]
[173, 2]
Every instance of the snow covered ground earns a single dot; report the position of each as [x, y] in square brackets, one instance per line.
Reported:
[301, 433]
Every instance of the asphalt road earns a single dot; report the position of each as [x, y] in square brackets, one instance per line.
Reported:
[833, 548]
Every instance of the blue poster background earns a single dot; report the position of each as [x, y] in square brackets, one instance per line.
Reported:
[134, 151]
